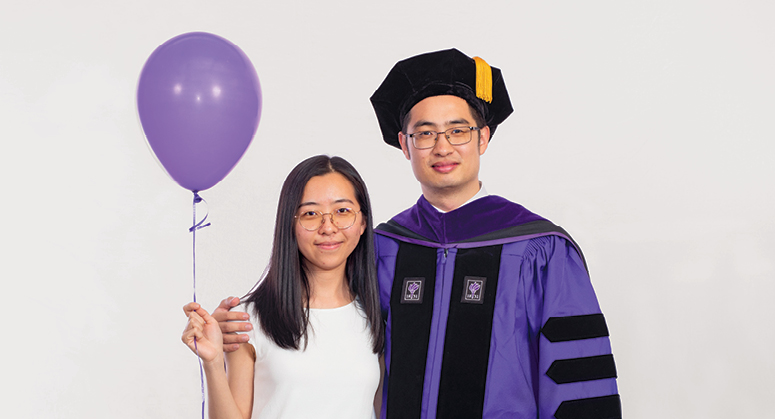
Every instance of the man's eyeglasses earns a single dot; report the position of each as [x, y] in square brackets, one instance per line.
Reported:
[456, 136]
[342, 218]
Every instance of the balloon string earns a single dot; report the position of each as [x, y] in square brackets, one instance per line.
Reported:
[197, 226]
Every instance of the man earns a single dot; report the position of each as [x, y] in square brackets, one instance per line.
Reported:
[489, 308]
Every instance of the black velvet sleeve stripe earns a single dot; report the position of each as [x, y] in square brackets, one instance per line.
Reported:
[563, 329]
[564, 371]
[607, 407]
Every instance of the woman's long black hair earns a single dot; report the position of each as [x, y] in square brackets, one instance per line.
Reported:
[281, 300]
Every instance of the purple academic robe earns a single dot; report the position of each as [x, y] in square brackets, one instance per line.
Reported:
[490, 314]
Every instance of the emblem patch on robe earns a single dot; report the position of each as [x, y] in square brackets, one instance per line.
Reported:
[474, 290]
[412, 290]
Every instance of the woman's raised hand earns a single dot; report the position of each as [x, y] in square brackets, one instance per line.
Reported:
[204, 329]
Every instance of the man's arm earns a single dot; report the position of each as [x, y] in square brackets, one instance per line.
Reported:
[577, 375]
[232, 322]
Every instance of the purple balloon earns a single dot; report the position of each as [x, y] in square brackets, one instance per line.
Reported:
[199, 102]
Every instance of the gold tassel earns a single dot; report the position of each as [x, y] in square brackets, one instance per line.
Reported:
[483, 80]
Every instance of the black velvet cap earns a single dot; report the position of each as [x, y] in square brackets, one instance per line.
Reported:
[447, 72]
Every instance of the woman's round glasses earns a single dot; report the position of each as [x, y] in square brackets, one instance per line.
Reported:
[342, 218]
[456, 136]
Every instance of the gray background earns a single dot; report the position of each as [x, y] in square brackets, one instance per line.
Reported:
[644, 128]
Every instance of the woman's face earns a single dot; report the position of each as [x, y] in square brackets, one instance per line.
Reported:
[326, 249]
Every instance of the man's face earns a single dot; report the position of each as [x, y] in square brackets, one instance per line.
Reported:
[445, 170]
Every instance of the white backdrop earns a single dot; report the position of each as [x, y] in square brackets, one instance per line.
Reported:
[644, 128]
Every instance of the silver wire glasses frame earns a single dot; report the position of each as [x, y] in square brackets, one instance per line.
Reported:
[342, 218]
[423, 140]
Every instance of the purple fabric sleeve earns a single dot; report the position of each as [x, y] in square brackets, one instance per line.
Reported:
[557, 285]
[539, 279]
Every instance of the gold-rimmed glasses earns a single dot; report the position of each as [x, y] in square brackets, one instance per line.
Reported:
[342, 218]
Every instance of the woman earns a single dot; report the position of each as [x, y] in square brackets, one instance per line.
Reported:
[316, 316]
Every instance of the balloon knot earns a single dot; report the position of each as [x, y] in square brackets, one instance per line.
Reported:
[198, 225]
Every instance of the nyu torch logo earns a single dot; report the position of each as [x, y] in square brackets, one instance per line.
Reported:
[473, 291]
[412, 290]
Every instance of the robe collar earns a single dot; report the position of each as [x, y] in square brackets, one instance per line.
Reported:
[481, 216]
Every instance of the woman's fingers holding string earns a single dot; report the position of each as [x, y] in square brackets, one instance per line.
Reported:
[194, 320]
[191, 307]
[196, 308]
[194, 329]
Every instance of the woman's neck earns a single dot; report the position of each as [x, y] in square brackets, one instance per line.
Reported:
[328, 290]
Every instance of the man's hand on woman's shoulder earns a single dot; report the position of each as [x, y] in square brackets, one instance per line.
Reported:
[232, 322]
